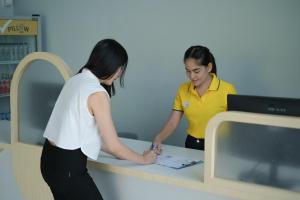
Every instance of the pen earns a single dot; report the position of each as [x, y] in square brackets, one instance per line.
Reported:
[153, 146]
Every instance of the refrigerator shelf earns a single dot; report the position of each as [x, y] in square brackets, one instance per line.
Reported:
[4, 95]
[10, 62]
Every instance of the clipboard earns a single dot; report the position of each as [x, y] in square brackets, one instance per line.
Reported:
[176, 162]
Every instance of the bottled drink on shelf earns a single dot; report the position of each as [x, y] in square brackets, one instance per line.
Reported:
[13, 51]
[5, 81]
[6, 87]
[1, 52]
[8, 116]
[1, 87]
[5, 116]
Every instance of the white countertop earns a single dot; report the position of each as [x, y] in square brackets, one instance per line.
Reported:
[191, 173]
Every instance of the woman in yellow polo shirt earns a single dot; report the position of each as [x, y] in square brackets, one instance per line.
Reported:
[199, 99]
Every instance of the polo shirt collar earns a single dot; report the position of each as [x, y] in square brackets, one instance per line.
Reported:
[215, 82]
[214, 85]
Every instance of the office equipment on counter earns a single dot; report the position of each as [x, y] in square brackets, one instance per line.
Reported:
[275, 147]
[265, 105]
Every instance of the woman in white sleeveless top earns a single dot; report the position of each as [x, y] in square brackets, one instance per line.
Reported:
[81, 124]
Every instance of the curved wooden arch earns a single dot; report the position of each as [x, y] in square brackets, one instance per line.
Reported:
[55, 60]
[26, 157]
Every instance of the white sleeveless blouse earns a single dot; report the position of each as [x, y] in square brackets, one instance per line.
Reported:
[71, 126]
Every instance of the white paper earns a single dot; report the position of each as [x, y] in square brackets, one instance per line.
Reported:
[175, 161]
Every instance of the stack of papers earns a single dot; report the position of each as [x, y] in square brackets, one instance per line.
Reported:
[175, 162]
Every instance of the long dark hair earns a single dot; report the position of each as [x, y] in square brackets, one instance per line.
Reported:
[106, 57]
[202, 55]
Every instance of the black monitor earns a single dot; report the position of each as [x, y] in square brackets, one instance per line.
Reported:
[262, 104]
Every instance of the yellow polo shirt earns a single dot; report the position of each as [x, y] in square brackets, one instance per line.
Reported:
[200, 109]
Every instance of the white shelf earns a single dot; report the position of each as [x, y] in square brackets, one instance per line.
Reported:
[4, 95]
[9, 62]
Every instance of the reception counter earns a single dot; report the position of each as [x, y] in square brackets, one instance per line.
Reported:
[241, 161]
[120, 179]
[238, 152]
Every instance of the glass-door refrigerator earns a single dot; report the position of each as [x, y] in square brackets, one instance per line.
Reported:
[19, 36]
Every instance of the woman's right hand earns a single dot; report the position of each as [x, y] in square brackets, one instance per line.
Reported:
[149, 157]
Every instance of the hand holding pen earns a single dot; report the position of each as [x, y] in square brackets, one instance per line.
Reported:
[149, 157]
[156, 147]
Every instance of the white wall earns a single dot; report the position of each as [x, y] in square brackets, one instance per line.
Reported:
[6, 9]
[256, 44]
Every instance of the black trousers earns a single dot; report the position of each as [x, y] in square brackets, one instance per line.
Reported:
[194, 143]
[66, 174]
